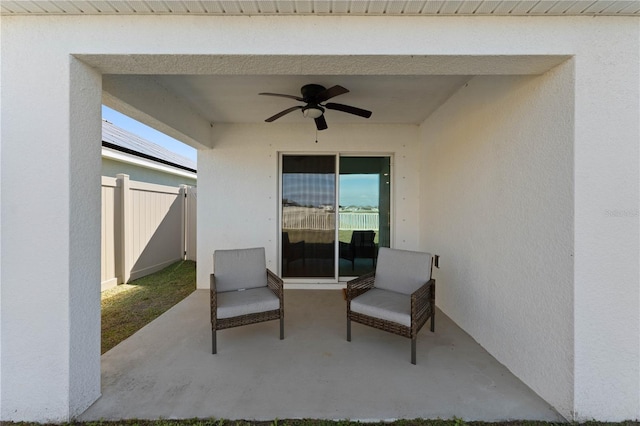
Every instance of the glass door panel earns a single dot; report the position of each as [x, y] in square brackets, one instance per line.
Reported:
[364, 211]
[308, 216]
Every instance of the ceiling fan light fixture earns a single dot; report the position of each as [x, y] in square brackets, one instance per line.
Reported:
[312, 112]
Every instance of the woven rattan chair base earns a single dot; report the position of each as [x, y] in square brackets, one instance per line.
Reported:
[222, 323]
[391, 327]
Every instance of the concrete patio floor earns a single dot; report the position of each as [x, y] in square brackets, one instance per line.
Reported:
[166, 370]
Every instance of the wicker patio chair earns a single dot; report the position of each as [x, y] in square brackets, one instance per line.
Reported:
[244, 291]
[399, 297]
[362, 245]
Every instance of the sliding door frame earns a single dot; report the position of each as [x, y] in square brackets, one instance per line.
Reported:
[322, 282]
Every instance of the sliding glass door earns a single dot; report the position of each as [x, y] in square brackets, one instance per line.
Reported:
[321, 240]
[308, 216]
[364, 212]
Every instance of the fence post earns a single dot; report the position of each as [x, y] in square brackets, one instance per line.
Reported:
[125, 220]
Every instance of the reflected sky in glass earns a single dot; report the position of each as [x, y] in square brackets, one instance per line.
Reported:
[317, 189]
[359, 190]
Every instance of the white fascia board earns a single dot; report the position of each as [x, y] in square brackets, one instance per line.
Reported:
[132, 159]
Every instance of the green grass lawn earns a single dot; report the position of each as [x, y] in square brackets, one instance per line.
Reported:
[129, 307]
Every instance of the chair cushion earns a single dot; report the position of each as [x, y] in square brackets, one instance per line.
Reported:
[384, 304]
[402, 271]
[244, 302]
[238, 269]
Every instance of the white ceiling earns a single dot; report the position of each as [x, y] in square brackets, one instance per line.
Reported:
[399, 89]
[335, 7]
[235, 99]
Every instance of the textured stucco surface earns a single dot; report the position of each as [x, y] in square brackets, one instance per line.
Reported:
[84, 231]
[606, 283]
[42, 164]
[51, 226]
[498, 163]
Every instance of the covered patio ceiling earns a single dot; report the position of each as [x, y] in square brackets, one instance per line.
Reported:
[218, 89]
[235, 99]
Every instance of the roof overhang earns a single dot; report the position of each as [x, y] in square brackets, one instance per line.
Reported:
[325, 7]
[135, 160]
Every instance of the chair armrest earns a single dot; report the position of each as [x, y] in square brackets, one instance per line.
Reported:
[345, 250]
[359, 285]
[423, 299]
[275, 284]
[213, 295]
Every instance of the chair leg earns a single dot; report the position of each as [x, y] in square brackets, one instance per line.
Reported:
[348, 329]
[214, 343]
[433, 320]
[281, 328]
[413, 351]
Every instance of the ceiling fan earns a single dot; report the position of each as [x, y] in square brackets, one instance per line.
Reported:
[314, 96]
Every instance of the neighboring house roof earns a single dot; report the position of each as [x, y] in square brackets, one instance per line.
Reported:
[115, 138]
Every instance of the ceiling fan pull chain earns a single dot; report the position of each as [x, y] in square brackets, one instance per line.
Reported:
[316, 135]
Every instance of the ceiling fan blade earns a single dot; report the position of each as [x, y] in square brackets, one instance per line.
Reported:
[330, 93]
[297, 98]
[349, 109]
[321, 123]
[281, 113]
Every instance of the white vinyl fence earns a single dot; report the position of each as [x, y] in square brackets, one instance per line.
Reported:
[319, 219]
[359, 221]
[307, 218]
[145, 227]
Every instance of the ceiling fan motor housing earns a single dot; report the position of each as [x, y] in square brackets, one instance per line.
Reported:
[310, 92]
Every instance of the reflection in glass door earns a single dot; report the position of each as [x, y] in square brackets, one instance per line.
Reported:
[308, 216]
[364, 211]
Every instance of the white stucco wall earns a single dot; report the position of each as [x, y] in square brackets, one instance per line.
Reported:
[48, 99]
[84, 228]
[606, 224]
[240, 177]
[51, 258]
[578, 347]
[497, 204]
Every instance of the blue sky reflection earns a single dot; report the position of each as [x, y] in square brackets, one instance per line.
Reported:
[359, 190]
[318, 189]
